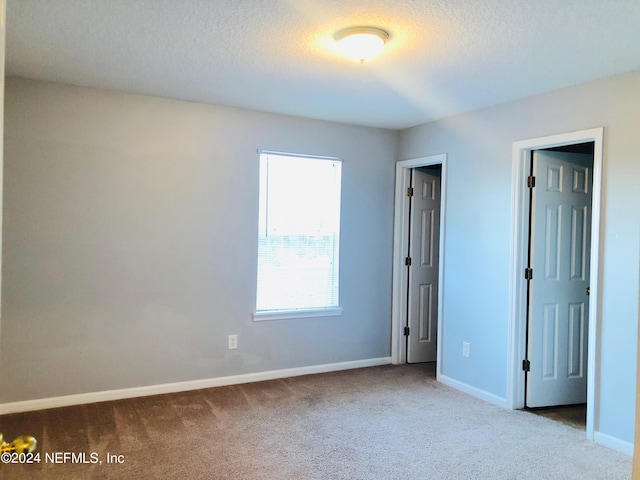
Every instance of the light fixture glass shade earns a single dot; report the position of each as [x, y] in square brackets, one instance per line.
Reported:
[361, 43]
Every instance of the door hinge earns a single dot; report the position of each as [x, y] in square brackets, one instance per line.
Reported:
[531, 181]
[406, 331]
[528, 273]
[407, 261]
[526, 365]
[410, 192]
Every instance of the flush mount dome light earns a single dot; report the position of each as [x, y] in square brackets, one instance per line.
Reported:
[361, 43]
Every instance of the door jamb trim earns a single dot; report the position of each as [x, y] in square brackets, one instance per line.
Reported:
[400, 240]
[516, 348]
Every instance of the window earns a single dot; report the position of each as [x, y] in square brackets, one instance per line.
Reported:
[298, 236]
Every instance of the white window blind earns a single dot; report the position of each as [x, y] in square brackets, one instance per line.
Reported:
[299, 233]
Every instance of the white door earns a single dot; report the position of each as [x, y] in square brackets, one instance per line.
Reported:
[422, 310]
[558, 295]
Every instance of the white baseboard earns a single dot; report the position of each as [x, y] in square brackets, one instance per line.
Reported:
[93, 397]
[598, 437]
[613, 443]
[473, 391]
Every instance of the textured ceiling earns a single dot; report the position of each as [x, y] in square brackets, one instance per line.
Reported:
[444, 56]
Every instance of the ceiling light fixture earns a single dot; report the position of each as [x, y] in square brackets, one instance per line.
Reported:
[361, 43]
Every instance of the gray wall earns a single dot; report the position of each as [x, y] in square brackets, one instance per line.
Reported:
[478, 229]
[3, 8]
[131, 235]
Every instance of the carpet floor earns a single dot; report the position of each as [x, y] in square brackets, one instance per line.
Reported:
[574, 415]
[389, 422]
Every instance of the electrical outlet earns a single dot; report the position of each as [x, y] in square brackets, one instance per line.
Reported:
[466, 349]
[232, 342]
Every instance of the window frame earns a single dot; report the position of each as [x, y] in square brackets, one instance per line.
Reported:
[311, 312]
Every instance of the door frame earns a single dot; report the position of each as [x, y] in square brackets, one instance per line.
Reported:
[400, 242]
[519, 245]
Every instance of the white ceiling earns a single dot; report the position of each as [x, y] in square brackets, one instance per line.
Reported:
[444, 56]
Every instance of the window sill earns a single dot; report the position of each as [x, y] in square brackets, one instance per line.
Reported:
[301, 313]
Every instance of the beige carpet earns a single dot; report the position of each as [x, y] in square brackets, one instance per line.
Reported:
[391, 422]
